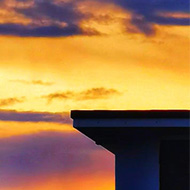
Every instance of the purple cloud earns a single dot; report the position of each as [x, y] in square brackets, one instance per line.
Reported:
[11, 115]
[42, 31]
[65, 12]
[48, 18]
[30, 157]
[58, 18]
[144, 13]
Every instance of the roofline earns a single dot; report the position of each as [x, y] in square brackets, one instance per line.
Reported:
[87, 114]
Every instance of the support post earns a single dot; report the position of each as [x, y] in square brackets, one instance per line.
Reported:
[137, 167]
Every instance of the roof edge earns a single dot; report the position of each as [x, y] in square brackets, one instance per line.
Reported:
[87, 114]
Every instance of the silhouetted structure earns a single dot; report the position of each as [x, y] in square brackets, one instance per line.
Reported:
[151, 147]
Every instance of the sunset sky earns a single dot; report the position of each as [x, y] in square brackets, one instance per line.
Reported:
[60, 55]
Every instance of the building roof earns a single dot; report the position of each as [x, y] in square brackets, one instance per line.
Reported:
[130, 114]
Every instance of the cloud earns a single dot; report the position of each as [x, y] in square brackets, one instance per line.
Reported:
[44, 31]
[29, 158]
[11, 115]
[97, 93]
[89, 94]
[48, 19]
[44, 18]
[59, 95]
[10, 101]
[35, 82]
[66, 12]
[151, 6]
[145, 13]
[140, 25]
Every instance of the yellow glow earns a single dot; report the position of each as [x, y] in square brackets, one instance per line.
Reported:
[72, 182]
[149, 72]
[8, 129]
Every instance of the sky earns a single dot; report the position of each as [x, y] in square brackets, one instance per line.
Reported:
[62, 55]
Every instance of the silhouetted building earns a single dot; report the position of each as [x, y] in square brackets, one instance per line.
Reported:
[151, 147]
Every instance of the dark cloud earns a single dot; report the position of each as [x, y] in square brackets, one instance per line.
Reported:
[169, 20]
[89, 94]
[64, 12]
[10, 101]
[144, 13]
[147, 7]
[27, 158]
[97, 93]
[43, 31]
[10, 115]
[35, 82]
[60, 95]
[49, 19]
[56, 18]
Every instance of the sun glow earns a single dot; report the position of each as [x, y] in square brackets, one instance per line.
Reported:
[99, 55]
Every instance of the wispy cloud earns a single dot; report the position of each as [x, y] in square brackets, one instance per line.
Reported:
[11, 101]
[35, 82]
[89, 94]
[11, 115]
[59, 95]
[97, 93]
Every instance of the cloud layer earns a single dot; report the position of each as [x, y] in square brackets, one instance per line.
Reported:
[145, 14]
[47, 18]
[42, 31]
[11, 115]
[64, 18]
[31, 158]
[89, 94]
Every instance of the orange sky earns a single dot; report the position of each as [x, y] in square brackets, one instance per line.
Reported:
[111, 64]
[147, 73]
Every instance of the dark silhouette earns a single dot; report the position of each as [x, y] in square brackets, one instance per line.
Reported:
[151, 147]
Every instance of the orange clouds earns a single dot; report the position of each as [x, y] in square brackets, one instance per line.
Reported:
[10, 101]
[35, 82]
[10, 16]
[90, 94]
